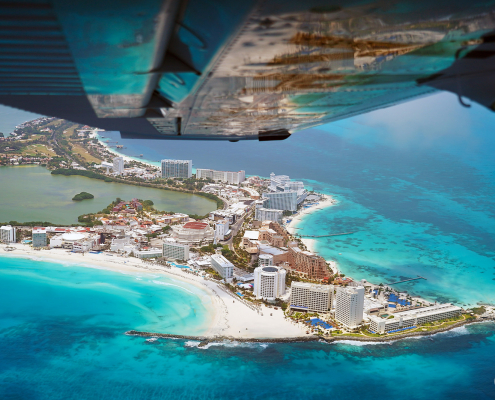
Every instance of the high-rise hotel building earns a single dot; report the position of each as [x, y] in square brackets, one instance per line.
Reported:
[281, 200]
[176, 168]
[349, 305]
[269, 282]
[311, 297]
[118, 165]
[232, 178]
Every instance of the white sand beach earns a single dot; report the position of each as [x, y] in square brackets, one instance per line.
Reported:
[293, 229]
[230, 317]
[96, 135]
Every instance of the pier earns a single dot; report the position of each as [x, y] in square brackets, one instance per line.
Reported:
[407, 280]
[319, 236]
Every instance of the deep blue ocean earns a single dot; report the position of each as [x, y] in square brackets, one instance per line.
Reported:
[416, 182]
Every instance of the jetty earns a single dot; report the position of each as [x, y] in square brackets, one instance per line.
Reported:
[407, 280]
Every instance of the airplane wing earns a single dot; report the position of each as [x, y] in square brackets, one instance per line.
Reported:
[227, 70]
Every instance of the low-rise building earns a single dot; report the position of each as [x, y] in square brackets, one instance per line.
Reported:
[223, 266]
[175, 251]
[311, 297]
[269, 282]
[39, 237]
[148, 253]
[75, 241]
[410, 319]
[193, 233]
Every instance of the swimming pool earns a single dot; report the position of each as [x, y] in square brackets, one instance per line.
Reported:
[179, 266]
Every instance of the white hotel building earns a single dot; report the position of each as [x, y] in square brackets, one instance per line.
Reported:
[175, 251]
[118, 165]
[7, 234]
[269, 282]
[311, 297]
[176, 168]
[232, 178]
[412, 318]
[223, 266]
[267, 214]
[349, 306]
[282, 200]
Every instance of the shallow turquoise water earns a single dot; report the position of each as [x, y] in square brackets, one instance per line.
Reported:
[38, 292]
[61, 337]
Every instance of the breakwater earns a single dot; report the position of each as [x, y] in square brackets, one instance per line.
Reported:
[205, 340]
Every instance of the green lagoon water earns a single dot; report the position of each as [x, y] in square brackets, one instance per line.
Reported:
[32, 193]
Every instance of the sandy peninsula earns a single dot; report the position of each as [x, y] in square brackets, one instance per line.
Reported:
[229, 316]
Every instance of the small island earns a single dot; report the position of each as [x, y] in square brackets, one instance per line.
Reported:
[83, 196]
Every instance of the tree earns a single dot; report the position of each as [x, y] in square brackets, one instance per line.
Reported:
[1, 134]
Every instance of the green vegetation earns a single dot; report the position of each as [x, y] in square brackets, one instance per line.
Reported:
[83, 196]
[88, 174]
[479, 310]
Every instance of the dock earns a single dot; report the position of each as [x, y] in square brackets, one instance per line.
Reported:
[407, 280]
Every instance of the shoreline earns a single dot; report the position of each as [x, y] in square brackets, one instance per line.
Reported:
[230, 316]
[298, 218]
[205, 340]
[126, 158]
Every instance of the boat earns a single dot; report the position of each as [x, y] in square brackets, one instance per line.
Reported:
[151, 340]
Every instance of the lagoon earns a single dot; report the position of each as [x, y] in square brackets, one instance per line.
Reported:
[32, 193]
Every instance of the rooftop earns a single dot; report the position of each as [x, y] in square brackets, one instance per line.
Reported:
[195, 225]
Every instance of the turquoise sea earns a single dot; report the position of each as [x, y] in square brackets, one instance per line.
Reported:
[62, 337]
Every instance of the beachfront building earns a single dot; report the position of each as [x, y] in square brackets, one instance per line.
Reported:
[311, 297]
[7, 234]
[306, 262]
[76, 241]
[176, 168]
[118, 165]
[282, 183]
[223, 266]
[285, 201]
[269, 282]
[404, 320]
[175, 251]
[265, 260]
[123, 244]
[193, 233]
[349, 306]
[39, 237]
[229, 177]
[148, 253]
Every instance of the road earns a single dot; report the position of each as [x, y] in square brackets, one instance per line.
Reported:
[235, 229]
